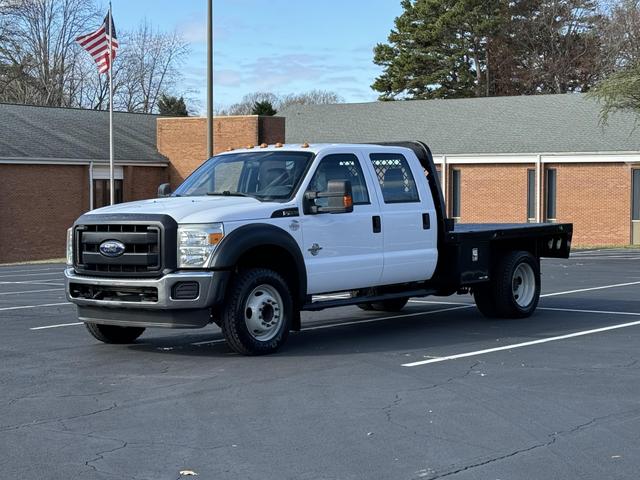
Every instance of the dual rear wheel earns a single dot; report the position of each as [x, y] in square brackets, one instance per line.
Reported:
[514, 290]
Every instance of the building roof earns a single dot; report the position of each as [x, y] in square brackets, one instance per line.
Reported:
[497, 125]
[43, 134]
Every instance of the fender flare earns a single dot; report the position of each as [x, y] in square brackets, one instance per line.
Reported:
[247, 237]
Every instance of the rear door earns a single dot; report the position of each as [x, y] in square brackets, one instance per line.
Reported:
[408, 214]
[342, 251]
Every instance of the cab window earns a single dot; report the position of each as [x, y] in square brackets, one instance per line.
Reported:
[395, 178]
[344, 166]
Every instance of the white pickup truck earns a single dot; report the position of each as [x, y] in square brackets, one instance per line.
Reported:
[255, 236]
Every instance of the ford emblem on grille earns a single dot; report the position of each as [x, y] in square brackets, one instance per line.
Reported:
[112, 248]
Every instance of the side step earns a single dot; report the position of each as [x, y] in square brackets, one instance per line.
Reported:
[344, 302]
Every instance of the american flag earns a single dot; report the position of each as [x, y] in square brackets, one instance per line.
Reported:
[97, 44]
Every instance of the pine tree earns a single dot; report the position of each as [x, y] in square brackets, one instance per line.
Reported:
[263, 108]
[172, 106]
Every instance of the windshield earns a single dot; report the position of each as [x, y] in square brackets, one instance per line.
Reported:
[263, 175]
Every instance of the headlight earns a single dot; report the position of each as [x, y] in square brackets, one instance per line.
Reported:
[70, 247]
[196, 244]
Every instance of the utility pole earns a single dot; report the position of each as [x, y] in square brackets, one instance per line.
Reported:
[210, 79]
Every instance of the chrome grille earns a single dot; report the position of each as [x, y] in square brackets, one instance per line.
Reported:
[142, 249]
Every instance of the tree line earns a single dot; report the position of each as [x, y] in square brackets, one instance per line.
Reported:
[478, 48]
[40, 63]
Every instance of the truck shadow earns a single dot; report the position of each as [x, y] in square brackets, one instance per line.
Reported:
[418, 331]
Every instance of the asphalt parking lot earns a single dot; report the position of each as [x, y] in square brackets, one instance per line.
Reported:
[435, 391]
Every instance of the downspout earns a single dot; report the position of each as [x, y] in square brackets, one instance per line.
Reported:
[443, 179]
[91, 186]
[539, 189]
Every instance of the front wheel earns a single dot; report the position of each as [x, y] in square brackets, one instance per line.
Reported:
[257, 316]
[515, 289]
[113, 333]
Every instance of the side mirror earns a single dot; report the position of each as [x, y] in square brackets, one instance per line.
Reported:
[339, 195]
[164, 190]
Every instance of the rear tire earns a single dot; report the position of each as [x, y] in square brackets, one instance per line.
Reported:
[515, 289]
[114, 334]
[258, 312]
[394, 305]
[367, 307]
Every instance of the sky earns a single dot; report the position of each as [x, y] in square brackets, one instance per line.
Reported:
[281, 46]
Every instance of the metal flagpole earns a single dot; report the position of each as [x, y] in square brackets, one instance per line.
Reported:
[210, 79]
[111, 173]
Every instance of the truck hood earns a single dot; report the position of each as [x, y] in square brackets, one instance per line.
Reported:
[198, 209]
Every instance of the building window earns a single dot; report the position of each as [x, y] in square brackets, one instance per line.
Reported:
[531, 195]
[551, 194]
[102, 192]
[455, 193]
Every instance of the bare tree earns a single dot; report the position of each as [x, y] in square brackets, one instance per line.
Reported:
[151, 66]
[41, 46]
[312, 97]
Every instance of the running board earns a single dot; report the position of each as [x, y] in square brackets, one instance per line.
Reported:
[344, 302]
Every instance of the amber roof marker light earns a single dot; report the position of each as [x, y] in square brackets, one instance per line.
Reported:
[305, 145]
[279, 145]
[263, 145]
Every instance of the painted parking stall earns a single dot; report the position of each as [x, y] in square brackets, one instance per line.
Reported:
[486, 398]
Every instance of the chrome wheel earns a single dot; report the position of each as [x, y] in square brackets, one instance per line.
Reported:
[523, 285]
[263, 312]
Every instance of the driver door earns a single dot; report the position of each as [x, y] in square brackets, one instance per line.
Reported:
[342, 251]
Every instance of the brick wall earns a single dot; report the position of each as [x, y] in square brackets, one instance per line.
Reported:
[596, 198]
[184, 140]
[142, 182]
[492, 193]
[39, 203]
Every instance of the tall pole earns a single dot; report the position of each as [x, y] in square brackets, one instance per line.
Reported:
[111, 173]
[210, 79]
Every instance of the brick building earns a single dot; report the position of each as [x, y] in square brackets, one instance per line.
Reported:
[508, 159]
[54, 166]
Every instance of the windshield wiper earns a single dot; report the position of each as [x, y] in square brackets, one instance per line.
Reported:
[228, 193]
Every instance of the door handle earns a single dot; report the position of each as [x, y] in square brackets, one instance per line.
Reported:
[376, 223]
[426, 221]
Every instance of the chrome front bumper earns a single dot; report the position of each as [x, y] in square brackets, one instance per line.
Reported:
[165, 312]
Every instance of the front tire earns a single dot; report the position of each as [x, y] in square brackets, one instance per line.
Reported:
[114, 334]
[258, 313]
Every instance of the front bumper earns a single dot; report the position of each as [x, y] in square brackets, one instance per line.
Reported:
[162, 311]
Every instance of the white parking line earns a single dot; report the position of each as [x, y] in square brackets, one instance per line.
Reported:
[34, 291]
[590, 289]
[34, 306]
[523, 344]
[33, 270]
[577, 310]
[59, 273]
[46, 327]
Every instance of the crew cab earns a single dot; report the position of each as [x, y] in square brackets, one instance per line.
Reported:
[255, 236]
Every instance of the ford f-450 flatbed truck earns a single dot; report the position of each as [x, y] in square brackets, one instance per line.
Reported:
[257, 235]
